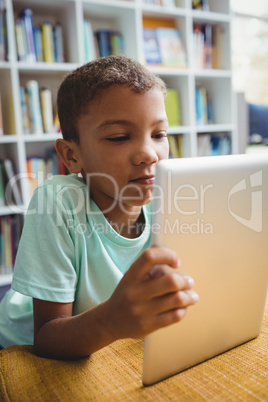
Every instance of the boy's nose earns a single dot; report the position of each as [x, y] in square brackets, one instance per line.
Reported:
[145, 154]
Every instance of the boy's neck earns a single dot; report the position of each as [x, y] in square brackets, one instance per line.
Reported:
[128, 224]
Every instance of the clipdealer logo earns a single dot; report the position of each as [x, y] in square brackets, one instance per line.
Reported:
[255, 220]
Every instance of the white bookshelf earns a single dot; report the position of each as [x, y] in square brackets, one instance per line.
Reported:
[125, 16]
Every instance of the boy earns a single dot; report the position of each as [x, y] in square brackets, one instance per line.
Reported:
[84, 259]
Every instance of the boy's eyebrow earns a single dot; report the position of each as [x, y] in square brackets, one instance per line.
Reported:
[108, 123]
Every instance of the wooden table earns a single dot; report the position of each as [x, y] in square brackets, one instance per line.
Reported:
[114, 374]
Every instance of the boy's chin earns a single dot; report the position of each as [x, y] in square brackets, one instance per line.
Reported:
[141, 202]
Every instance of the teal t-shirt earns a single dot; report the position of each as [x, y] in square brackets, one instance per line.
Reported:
[68, 252]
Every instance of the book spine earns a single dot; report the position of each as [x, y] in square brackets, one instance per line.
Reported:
[91, 41]
[86, 41]
[198, 106]
[207, 29]
[25, 42]
[38, 43]
[34, 107]
[3, 33]
[58, 43]
[151, 46]
[46, 109]
[20, 42]
[2, 185]
[47, 41]
[204, 107]
[172, 105]
[117, 43]
[103, 37]
[12, 190]
[199, 44]
[1, 117]
[26, 16]
[25, 115]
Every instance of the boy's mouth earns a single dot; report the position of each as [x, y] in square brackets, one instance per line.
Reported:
[145, 180]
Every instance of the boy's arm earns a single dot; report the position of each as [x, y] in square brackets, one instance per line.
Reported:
[139, 305]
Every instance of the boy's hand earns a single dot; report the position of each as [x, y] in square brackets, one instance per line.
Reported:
[150, 296]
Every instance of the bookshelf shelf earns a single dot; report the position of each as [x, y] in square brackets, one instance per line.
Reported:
[127, 17]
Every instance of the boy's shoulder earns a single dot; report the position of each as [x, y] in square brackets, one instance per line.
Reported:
[60, 182]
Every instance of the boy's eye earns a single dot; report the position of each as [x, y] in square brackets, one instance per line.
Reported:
[118, 139]
[159, 136]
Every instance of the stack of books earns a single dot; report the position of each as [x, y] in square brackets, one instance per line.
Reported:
[40, 168]
[163, 44]
[42, 43]
[102, 42]
[38, 116]
[213, 144]
[203, 106]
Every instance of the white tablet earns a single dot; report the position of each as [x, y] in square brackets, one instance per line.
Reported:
[213, 211]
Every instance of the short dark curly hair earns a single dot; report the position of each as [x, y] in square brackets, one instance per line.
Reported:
[82, 86]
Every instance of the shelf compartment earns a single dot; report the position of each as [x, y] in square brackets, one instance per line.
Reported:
[116, 17]
[50, 79]
[220, 54]
[181, 85]
[60, 11]
[219, 92]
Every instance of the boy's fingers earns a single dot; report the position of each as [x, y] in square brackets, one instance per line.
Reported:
[181, 299]
[151, 257]
[168, 283]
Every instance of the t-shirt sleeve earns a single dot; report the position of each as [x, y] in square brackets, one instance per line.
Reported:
[45, 262]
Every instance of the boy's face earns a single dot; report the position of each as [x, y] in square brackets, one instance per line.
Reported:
[122, 137]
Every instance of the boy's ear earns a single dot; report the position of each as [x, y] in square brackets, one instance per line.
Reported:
[68, 152]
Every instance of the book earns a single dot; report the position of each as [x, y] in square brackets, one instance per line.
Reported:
[47, 41]
[171, 47]
[172, 104]
[154, 23]
[203, 106]
[200, 5]
[104, 44]
[217, 54]
[151, 46]
[207, 30]
[3, 32]
[117, 43]
[38, 43]
[46, 109]
[89, 41]
[1, 117]
[21, 43]
[163, 45]
[34, 107]
[12, 189]
[25, 113]
[199, 46]
[173, 146]
[26, 17]
[2, 185]
[198, 106]
[109, 42]
[58, 43]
